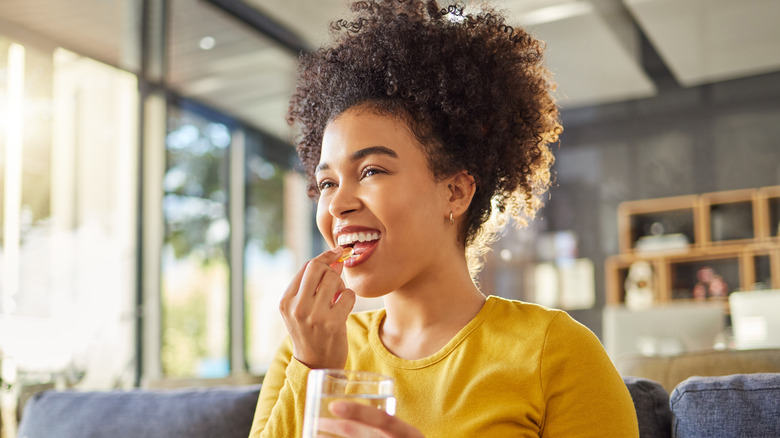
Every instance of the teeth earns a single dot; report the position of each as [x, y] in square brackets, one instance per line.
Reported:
[350, 238]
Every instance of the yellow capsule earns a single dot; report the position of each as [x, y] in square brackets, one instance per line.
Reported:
[346, 254]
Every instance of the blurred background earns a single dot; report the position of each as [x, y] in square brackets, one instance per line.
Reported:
[151, 215]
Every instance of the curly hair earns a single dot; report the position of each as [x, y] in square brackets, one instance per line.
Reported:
[473, 90]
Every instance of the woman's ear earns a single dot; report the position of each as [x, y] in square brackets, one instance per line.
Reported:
[461, 190]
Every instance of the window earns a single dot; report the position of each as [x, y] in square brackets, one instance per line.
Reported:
[238, 264]
[221, 218]
[68, 171]
[278, 240]
[195, 268]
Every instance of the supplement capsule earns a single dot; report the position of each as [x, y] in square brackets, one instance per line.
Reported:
[346, 254]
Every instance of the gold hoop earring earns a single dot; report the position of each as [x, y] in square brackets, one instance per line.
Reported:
[452, 221]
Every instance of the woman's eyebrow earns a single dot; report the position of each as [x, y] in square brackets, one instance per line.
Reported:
[373, 150]
[362, 153]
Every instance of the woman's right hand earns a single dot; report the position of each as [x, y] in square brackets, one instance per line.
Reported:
[315, 308]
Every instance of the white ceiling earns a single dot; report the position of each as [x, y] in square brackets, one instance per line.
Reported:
[705, 41]
[594, 54]
[94, 27]
[243, 74]
[593, 46]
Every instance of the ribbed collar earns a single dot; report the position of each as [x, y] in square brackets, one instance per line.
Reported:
[397, 362]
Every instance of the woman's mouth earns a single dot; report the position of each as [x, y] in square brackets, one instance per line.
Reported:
[362, 243]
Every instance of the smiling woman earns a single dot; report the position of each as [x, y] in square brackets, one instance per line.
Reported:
[387, 191]
[423, 129]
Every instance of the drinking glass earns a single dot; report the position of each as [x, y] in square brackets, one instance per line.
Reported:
[326, 386]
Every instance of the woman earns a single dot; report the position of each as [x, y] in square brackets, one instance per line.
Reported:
[423, 129]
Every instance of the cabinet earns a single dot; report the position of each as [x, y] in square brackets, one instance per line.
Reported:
[732, 234]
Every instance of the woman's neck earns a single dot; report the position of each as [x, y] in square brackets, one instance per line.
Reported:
[423, 317]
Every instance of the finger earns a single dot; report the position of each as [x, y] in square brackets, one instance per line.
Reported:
[338, 266]
[331, 259]
[373, 417]
[345, 302]
[297, 300]
[328, 289]
[319, 279]
[334, 427]
[326, 257]
[346, 253]
[295, 284]
[330, 256]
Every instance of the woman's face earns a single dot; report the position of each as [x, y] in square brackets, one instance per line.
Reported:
[378, 195]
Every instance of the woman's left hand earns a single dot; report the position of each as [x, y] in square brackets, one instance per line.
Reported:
[363, 421]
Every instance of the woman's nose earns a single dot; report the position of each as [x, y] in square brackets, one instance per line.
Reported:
[345, 200]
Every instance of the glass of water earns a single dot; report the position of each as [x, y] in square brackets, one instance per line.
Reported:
[326, 386]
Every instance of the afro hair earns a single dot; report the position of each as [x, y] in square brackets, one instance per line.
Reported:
[473, 89]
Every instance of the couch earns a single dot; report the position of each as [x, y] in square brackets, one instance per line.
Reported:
[738, 405]
[224, 412]
[669, 371]
[743, 405]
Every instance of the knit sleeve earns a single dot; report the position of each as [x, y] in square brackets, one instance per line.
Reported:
[282, 397]
[583, 393]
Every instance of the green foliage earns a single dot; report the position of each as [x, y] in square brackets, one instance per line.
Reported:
[265, 200]
[184, 334]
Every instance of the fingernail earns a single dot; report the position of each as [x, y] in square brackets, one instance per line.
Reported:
[338, 407]
[337, 250]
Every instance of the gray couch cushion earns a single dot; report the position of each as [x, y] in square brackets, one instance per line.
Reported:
[213, 412]
[739, 405]
[651, 402]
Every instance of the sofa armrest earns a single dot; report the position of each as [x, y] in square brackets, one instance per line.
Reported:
[669, 371]
[727, 406]
[651, 402]
[224, 412]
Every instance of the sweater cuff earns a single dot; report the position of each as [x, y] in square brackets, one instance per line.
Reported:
[297, 373]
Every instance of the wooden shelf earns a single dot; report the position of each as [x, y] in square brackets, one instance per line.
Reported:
[680, 214]
[736, 231]
[769, 213]
[730, 217]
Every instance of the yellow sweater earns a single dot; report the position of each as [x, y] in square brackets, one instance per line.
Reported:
[515, 370]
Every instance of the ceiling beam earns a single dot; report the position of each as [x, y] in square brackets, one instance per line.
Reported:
[263, 24]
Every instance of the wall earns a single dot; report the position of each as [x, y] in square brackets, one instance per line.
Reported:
[714, 137]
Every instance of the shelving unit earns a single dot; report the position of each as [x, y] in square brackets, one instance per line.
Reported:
[734, 232]
[770, 211]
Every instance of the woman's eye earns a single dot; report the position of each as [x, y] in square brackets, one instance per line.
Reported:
[368, 171]
[325, 185]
